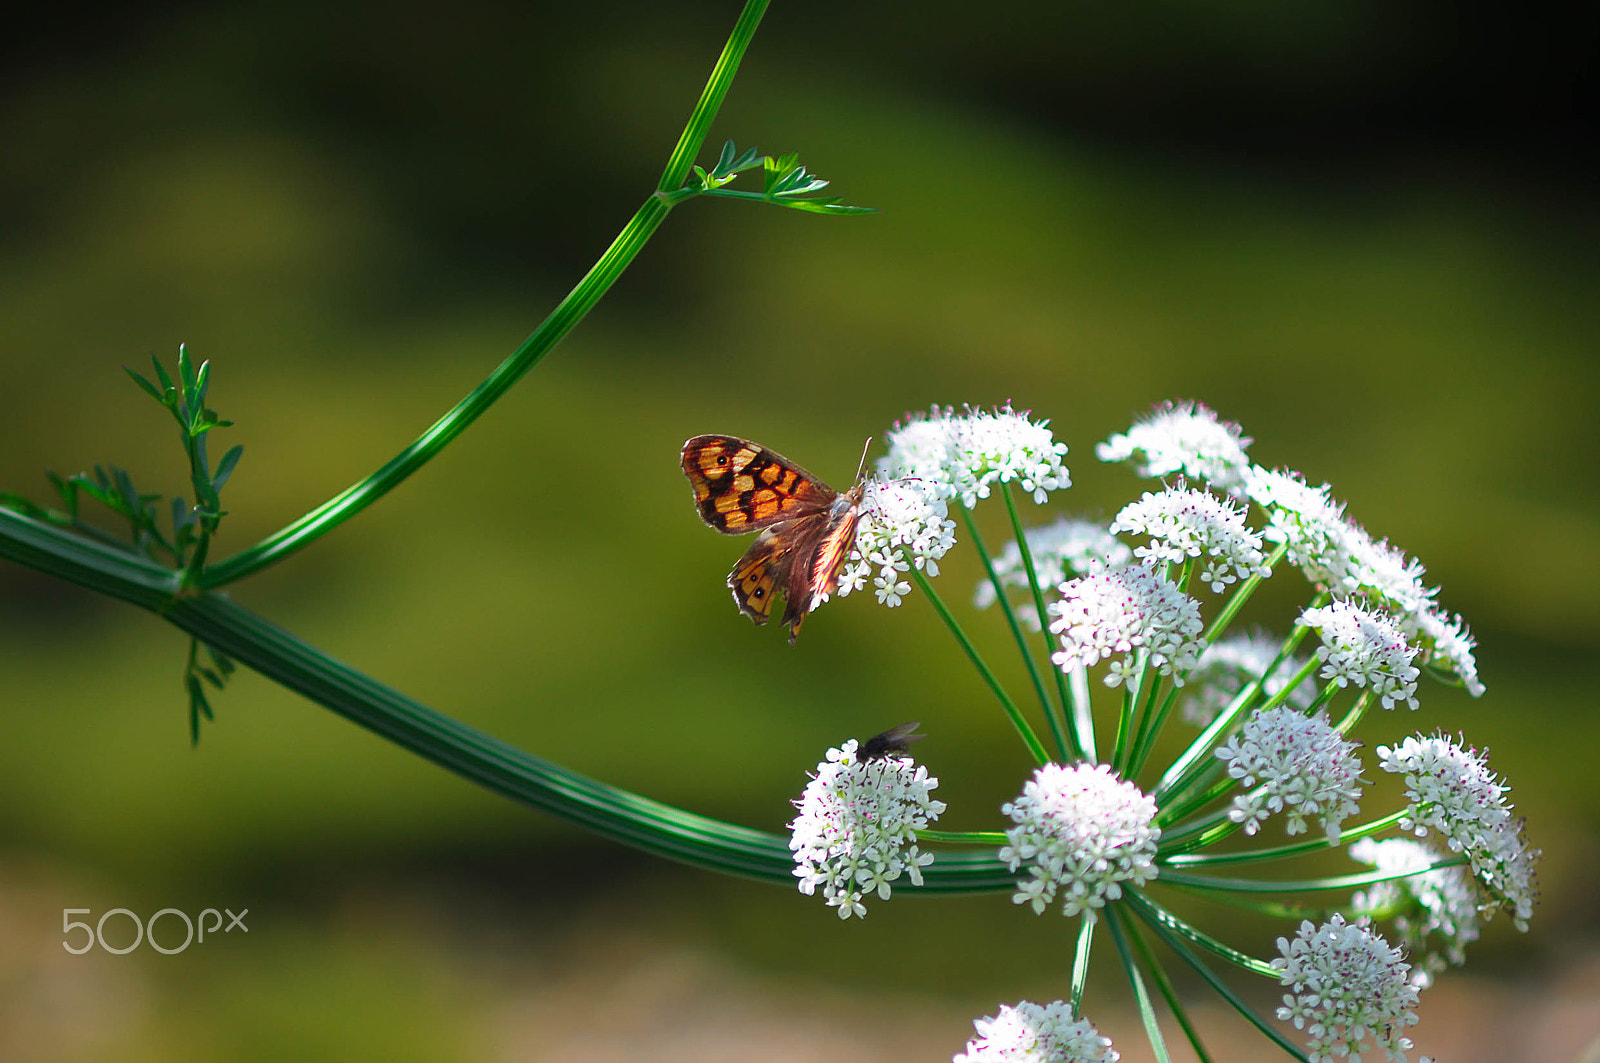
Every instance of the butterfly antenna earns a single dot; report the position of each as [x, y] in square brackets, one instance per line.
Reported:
[863, 466]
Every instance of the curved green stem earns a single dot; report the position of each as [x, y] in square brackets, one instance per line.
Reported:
[1029, 739]
[353, 499]
[606, 810]
[578, 302]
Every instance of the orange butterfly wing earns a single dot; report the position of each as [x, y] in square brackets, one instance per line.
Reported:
[807, 528]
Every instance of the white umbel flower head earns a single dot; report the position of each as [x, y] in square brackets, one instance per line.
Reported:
[856, 831]
[1187, 438]
[1067, 545]
[1305, 768]
[903, 524]
[1183, 523]
[1434, 911]
[964, 454]
[1382, 571]
[1308, 521]
[1446, 645]
[1227, 665]
[1036, 1033]
[1348, 984]
[1451, 790]
[1082, 832]
[1116, 614]
[1365, 648]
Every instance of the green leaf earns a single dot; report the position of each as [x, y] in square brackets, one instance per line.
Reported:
[167, 388]
[149, 388]
[186, 371]
[125, 489]
[225, 467]
[223, 662]
[777, 169]
[202, 383]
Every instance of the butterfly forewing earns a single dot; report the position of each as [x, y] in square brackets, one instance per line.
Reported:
[741, 486]
[806, 528]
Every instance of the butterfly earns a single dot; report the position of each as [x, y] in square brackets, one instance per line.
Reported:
[807, 528]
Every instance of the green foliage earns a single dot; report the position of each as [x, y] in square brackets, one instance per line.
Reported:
[186, 546]
[786, 183]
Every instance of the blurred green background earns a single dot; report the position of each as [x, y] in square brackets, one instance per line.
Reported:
[1366, 234]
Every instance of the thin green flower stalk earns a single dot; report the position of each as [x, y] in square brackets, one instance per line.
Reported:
[785, 184]
[1129, 602]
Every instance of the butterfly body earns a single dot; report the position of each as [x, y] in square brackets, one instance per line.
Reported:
[807, 528]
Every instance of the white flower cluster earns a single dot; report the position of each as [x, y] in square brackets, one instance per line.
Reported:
[1382, 571]
[1183, 523]
[1348, 984]
[1305, 767]
[1036, 1033]
[856, 831]
[903, 523]
[1067, 545]
[1227, 665]
[1083, 832]
[964, 454]
[1452, 791]
[1340, 556]
[1186, 438]
[1307, 521]
[1446, 643]
[1435, 911]
[1364, 647]
[1121, 612]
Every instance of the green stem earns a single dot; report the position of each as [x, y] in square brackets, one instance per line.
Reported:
[1080, 963]
[1016, 628]
[1130, 695]
[1173, 877]
[963, 837]
[1193, 762]
[1281, 852]
[1082, 719]
[1172, 931]
[705, 111]
[1147, 1011]
[1240, 596]
[1071, 708]
[1150, 721]
[578, 302]
[606, 810]
[1164, 987]
[1353, 717]
[1029, 739]
[1159, 919]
